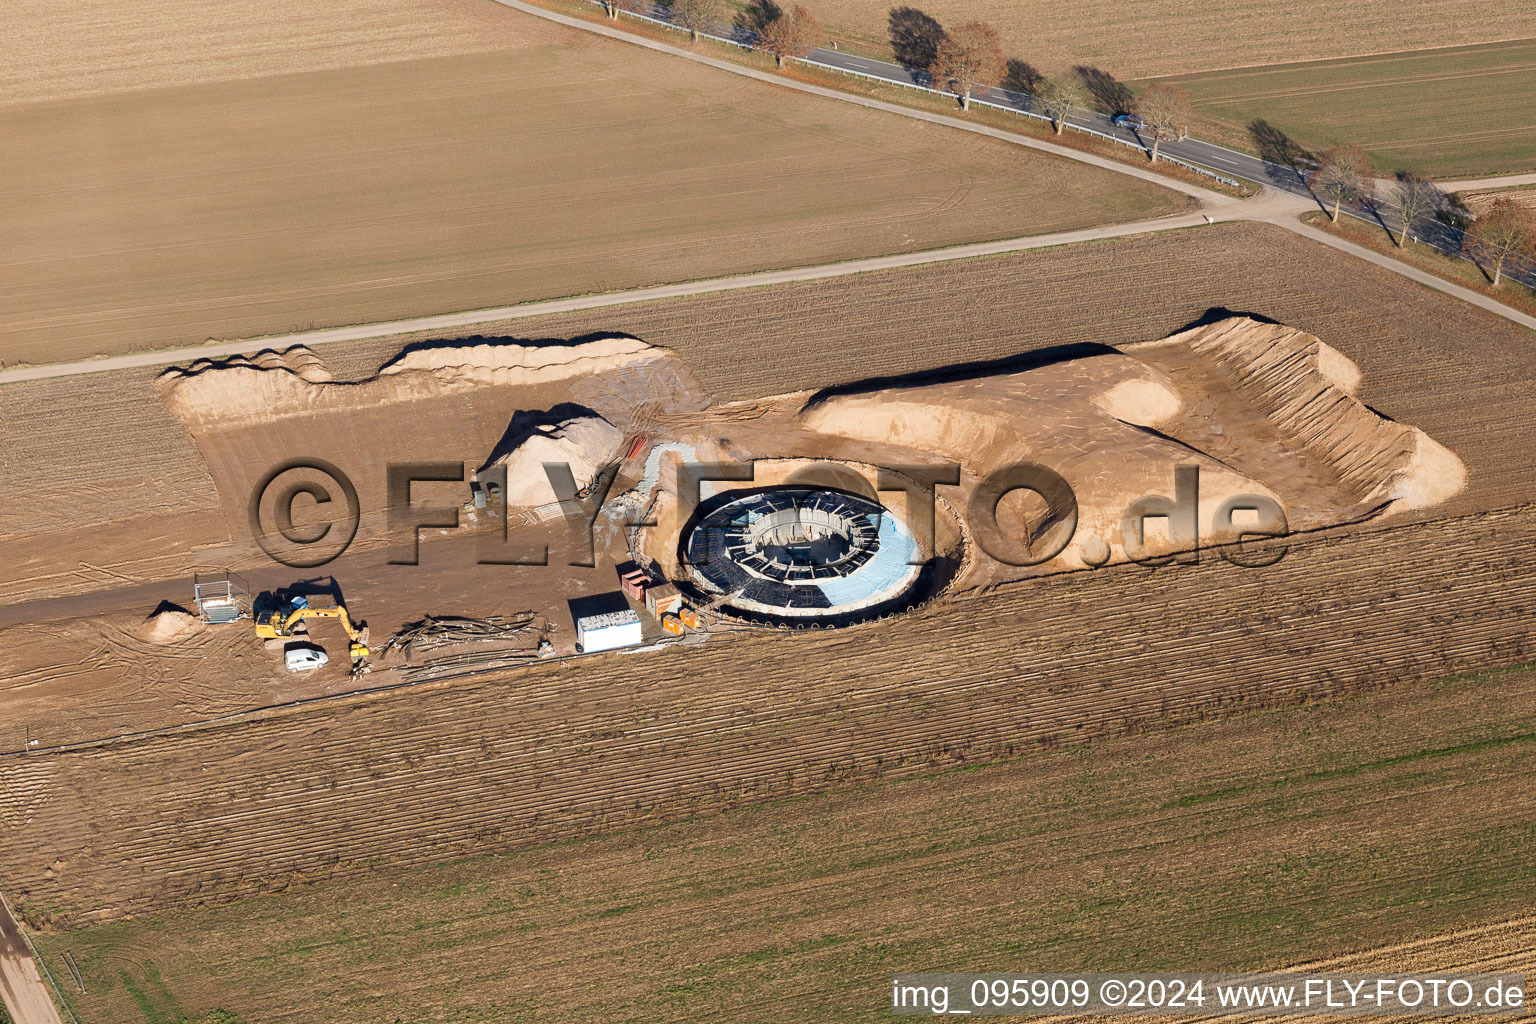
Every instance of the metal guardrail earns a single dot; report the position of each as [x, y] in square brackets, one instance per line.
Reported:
[664, 23]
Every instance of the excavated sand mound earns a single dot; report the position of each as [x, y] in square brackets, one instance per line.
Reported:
[1307, 390]
[473, 365]
[1260, 408]
[1088, 420]
[271, 386]
[169, 626]
[1146, 403]
[585, 443]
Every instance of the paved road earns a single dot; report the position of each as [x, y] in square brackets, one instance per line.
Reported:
[1206, 154]
[1279, 207]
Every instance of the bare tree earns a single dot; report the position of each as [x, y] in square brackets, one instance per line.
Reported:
[1412, 200]
[756, 16]
[1165, 111]
[969, 60]
[792, 33]
[1506, 230]
[696, 15]
[1342, 173]
[1060, 97]
[613, 7]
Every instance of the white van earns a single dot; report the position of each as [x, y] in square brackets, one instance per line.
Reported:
[303, 658]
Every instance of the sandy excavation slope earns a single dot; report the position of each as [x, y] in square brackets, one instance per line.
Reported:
[272, 386]
[463, 403]
[1258, 408]
[1272, 413]
[1456, 373]
[570, 165]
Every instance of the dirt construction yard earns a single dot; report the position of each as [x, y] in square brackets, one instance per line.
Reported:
[1090, 761]
[540, 162]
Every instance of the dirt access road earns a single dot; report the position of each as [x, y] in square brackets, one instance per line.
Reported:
[22, 988]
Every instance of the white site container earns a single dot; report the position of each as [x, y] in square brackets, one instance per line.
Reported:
[608, 631]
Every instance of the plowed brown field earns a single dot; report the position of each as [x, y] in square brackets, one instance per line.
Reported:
[564, 751]
[92, 47]
[564, 165]
[1252, 843]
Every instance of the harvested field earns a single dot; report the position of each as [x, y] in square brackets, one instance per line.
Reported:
[1441, 112]
[1263, 840]
[359, 194]
[1351, 609]
[1452, 268]
[1141, 38]
[1506, 946]
[92, 47]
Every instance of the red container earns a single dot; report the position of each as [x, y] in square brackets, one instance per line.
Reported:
[634, 584]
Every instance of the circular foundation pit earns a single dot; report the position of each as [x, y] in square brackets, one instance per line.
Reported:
[799, 555]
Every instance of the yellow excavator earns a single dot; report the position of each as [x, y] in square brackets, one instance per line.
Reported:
[279, 623]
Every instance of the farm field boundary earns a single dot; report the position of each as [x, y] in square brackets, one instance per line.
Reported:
[453, 321]
[1263, 210]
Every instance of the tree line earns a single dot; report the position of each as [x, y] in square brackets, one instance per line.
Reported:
[1503, 233]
